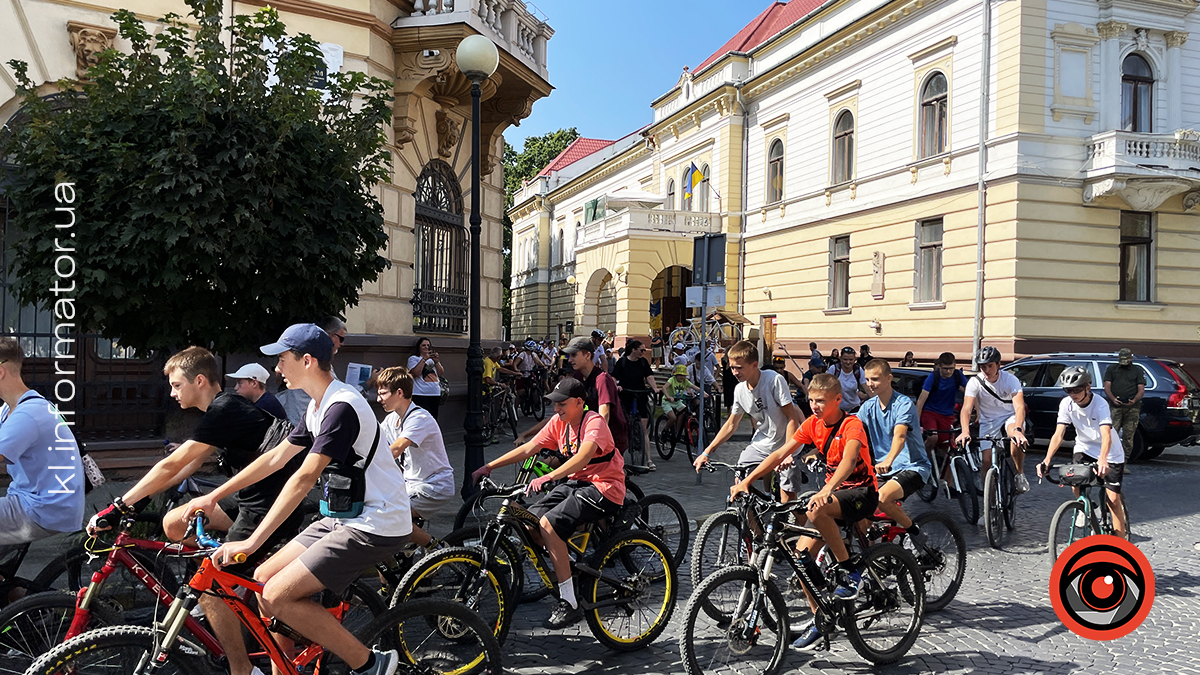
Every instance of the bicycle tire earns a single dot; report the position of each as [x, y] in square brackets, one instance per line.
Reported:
[639, 560]
[512, 417]
[993, 510]
[943, 558]
[718, 545]
[455, 640]
[692, 437]
[665, 518]
[74, 656]
[446, 575]
[635, 442]
[539, 405]
[37, 623]
[968, 497]
[1008, 495]
[708, 642]
[665, 449]
[1063, 528]
[885, 566]
[631, 486]
[929, 489]
[471, 536]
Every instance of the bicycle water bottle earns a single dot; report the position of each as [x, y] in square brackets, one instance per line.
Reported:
[811, 568]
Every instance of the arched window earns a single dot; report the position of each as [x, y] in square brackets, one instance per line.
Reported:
[670, 194]
[1137, 94]
[934, 96]
[775, 172]
[439, 297]
[685, 198]
[702, 190]
[843, 147]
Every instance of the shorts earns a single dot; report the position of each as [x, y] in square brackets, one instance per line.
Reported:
[909, 481]
[337, 555]
[934, 421]
[790, 479]
[572, 504]
[1112, 479]
[991, 427]
[245, 521]
[673, 406]
[857, 503]
[425, 502]
[16, 526]
[643, 404]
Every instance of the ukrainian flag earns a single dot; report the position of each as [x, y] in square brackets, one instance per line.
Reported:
[696, 178]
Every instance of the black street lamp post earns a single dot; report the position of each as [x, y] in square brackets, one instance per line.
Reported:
[477, 58]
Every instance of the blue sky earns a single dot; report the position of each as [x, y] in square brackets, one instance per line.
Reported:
[609, 60]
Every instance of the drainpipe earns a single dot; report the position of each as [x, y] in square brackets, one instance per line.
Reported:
[981, 185]
[745, 188]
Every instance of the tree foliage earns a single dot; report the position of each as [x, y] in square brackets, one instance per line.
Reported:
[519, 167]
[219, 196]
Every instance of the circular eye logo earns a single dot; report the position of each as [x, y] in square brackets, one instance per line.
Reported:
[1102, 587]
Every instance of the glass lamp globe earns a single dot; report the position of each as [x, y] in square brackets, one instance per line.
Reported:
[477, 57]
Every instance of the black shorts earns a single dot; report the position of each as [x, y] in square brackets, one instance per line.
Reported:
[572, 504]
[909, 482]
[245, 521]
[643, 404]
[1112, 479]
[857, 503]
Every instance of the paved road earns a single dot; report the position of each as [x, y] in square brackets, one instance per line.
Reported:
[1001, 621]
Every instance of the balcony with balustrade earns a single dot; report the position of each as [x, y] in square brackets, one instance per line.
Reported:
[645, 224]
[516, 27]
[1143, 169]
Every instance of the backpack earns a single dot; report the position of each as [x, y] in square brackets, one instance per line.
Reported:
[937, 380]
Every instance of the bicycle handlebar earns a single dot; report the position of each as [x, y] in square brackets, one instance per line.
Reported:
[207, 541]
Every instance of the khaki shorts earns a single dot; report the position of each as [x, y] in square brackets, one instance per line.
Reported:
[337, 555]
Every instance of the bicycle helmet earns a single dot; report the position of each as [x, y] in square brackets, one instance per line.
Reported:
[988, 355]
[531, 344]
[597, 335]
[1075, 376]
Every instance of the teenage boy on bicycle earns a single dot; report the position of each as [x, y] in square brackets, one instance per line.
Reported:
[895, 434]
[939, 395]
[595, 489]
[1095, 441]
[766, 397]
[849, 493]
[339, 426]
[1001, 402]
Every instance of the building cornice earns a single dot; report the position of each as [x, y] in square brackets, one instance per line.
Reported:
[330, 13]
[721, 100]
[595, 174]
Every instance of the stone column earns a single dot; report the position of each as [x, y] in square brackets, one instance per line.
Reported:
[1110, 73]
[1175, 42]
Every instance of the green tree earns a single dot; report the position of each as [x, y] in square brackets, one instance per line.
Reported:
[518, 168]
[218, 195]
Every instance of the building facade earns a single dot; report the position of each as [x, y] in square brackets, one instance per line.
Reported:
[916, 175]
[425, 204]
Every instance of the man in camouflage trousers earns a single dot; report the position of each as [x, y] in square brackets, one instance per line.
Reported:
[1124, 385]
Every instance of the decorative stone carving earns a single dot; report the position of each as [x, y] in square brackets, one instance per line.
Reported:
[88, 42]
[877, 258]
[1176, 38]
[1141, 39]
[448, 131]
[1140, 194]
[422, 64]
[1108, 30]
[1190, 200]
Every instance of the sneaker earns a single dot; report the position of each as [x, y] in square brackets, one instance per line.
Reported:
[650, 465]
[563, 615]
[385, 663]
[809, 641]
[803, 628]
[1022, 484]
[256, 671]
[1080, 519]
[848, 585]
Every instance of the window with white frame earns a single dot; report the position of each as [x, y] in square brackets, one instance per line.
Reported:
[670, 194]
[775, 172]
[929, 261]
[702, 190]
[843, 147]
[1137, 240]
[934, 97]
[839, 272]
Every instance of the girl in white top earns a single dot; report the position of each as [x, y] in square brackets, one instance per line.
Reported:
[426, 367]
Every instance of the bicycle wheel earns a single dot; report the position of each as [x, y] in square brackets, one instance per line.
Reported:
[691, 437]
[632, 488]
[664, 446]
[38, 623]
[512, 416]
[116, 650]
[968, 497]
[886, 617]
[635, 442]
[458, 574]
[737, 637]
[633, 598]
[993, 509]
[510, 555]
[538, 404]
[665, 518]
[1008, 497]
[1069, 524]
[436, 636]
[718, 545]
[942, 557]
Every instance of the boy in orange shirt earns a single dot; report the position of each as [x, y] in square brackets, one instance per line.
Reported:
[849, 493]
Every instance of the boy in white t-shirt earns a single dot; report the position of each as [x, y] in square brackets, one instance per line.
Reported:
[1001, 401]
[1095, 442]
[416, 442]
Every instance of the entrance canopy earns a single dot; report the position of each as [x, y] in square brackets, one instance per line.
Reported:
[634, 199]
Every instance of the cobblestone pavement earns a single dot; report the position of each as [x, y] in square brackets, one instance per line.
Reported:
[1001, 621]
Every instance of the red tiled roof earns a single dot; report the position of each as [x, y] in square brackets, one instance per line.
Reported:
[770, 23]
[577, 150]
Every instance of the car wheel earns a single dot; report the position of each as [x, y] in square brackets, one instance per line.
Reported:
[1152, 452]
[1135, 453]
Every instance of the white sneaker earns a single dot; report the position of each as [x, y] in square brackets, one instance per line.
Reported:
[1022, 484]
[256, 671]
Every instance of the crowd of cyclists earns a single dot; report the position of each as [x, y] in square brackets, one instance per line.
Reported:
[378, 481]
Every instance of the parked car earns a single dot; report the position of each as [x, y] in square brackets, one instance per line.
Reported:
[1169, 407]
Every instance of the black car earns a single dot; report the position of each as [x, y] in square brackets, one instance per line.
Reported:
[1169, 407]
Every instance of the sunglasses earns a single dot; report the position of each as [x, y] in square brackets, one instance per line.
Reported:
[340, 338]
[1073, 390]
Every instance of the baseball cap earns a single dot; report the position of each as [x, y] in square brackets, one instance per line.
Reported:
[251, 371]
[680, 346]
[1125, 356]
[579, 344]
[681, 370]
[306, 338]
[568, 387]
